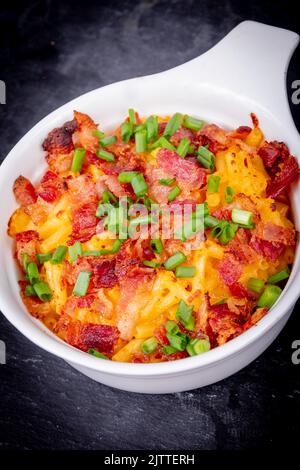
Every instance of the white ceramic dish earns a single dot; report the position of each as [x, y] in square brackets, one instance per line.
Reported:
[245, 72]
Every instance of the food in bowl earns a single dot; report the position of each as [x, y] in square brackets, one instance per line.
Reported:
[157, 241]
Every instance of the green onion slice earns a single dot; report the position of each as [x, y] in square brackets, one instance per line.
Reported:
[229, 193]
[127, 176]
[256, 285]
[198, 346]
[176, 260]
[43, 257]
[174, 193]
[152, 128]
[132, 117]
[173, 125]
[149, 346]
[107, 141]
[163, 143]
[29, 291]
[78, 157]
[280, 276]
[192, 123]
[269, 296]
[96, 353]
[126, 131]
[43, 291]
[59, 254]
[178, 341]
[206, 158]
[107, 196]
[139, 185]
[141, 141]
[33, 273]
[183, 147]
[241, 217]
[82, 283]
[167, 182]
[185, 271]
[213, 183]
[151, 264]
[157, 245]
[184, 313]
[172, 327]
[75, 251]
[104, 155]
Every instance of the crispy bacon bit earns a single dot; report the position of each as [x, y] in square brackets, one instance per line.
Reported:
[125, 259]
[51, 187]
[223, 214]
[84, 223]
[34, 305]
[60, 139]
[175, 356]
[224, 324]
[112, 183]
[229, 269]
[82, 189]
[187, 172]
[239, 246]
[161, 335]
[86, 336]
[71, 271]
[269, 250]
[26, 242]
[270, 153]
[104, 273]
[255, 317]
[241, 292]
[288, 173]
[84, 134]
[180, 134]
[275, 233]
[24, 191]
[241, 132]
[213, 136]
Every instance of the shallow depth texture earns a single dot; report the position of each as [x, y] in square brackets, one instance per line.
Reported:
[51, 52]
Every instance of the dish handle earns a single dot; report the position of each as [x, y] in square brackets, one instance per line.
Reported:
[251, 61]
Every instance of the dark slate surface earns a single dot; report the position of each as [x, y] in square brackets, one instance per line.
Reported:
[51, 52]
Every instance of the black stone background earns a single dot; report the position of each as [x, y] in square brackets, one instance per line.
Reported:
[51, 52]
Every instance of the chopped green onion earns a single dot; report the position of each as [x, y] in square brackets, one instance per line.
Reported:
[141, 142]
[152, 128]
[59, 254]
[198, 346]
[151, 264]
[139, 185]
[169, 349]
[229, 193]
[174, 193]
[116, 246]
[140, 127]
[43, 291]
[157, 245]
[163, 143]
[213, 183]
[104, 155]
[149, 346]
[142, 220]
[107, 196]
[224, 230]
[256, 285]
[172, 327]
[167, 182]
[132, 117]
[75, 251]
[206, 158]
[241, 217]
[98, 134]
[175, 260]
[183, 147]
[192, 123]
[77, 161]
[280, 276]
[191, 149]
[185, 271]
[126, 131]
[269, 296]
[191, 227]
[82, 283]
[25, 258]
[184, 312]
[127, 176]
[107, 141]
[43, 257]
[33, 273]
[210, 221]
[95, 252]
[96, 353]
[173, 125]
[178, 341]
[29, 291]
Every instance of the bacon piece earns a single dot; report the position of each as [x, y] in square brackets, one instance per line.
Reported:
[275, 233]
[104, 273]
[38, 212]
[241, 292]
[240, 133]
[82, 190]
[84, 223]
[269, 250]
[24, 191]
[89, 335]
[187, 172]
[181, 133]
[223, 214]
[288, 173]
[255, 317]
[229, 269]
[125, 259]
[51, 187]
[239, 246]
[84, 134]
[213, 136]
[224, 324]
[34, 305]
[112, 183]
[59, 140]
[160, 334]
[175, 356]
[135, 290]
[26, 242]
[270, 153]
